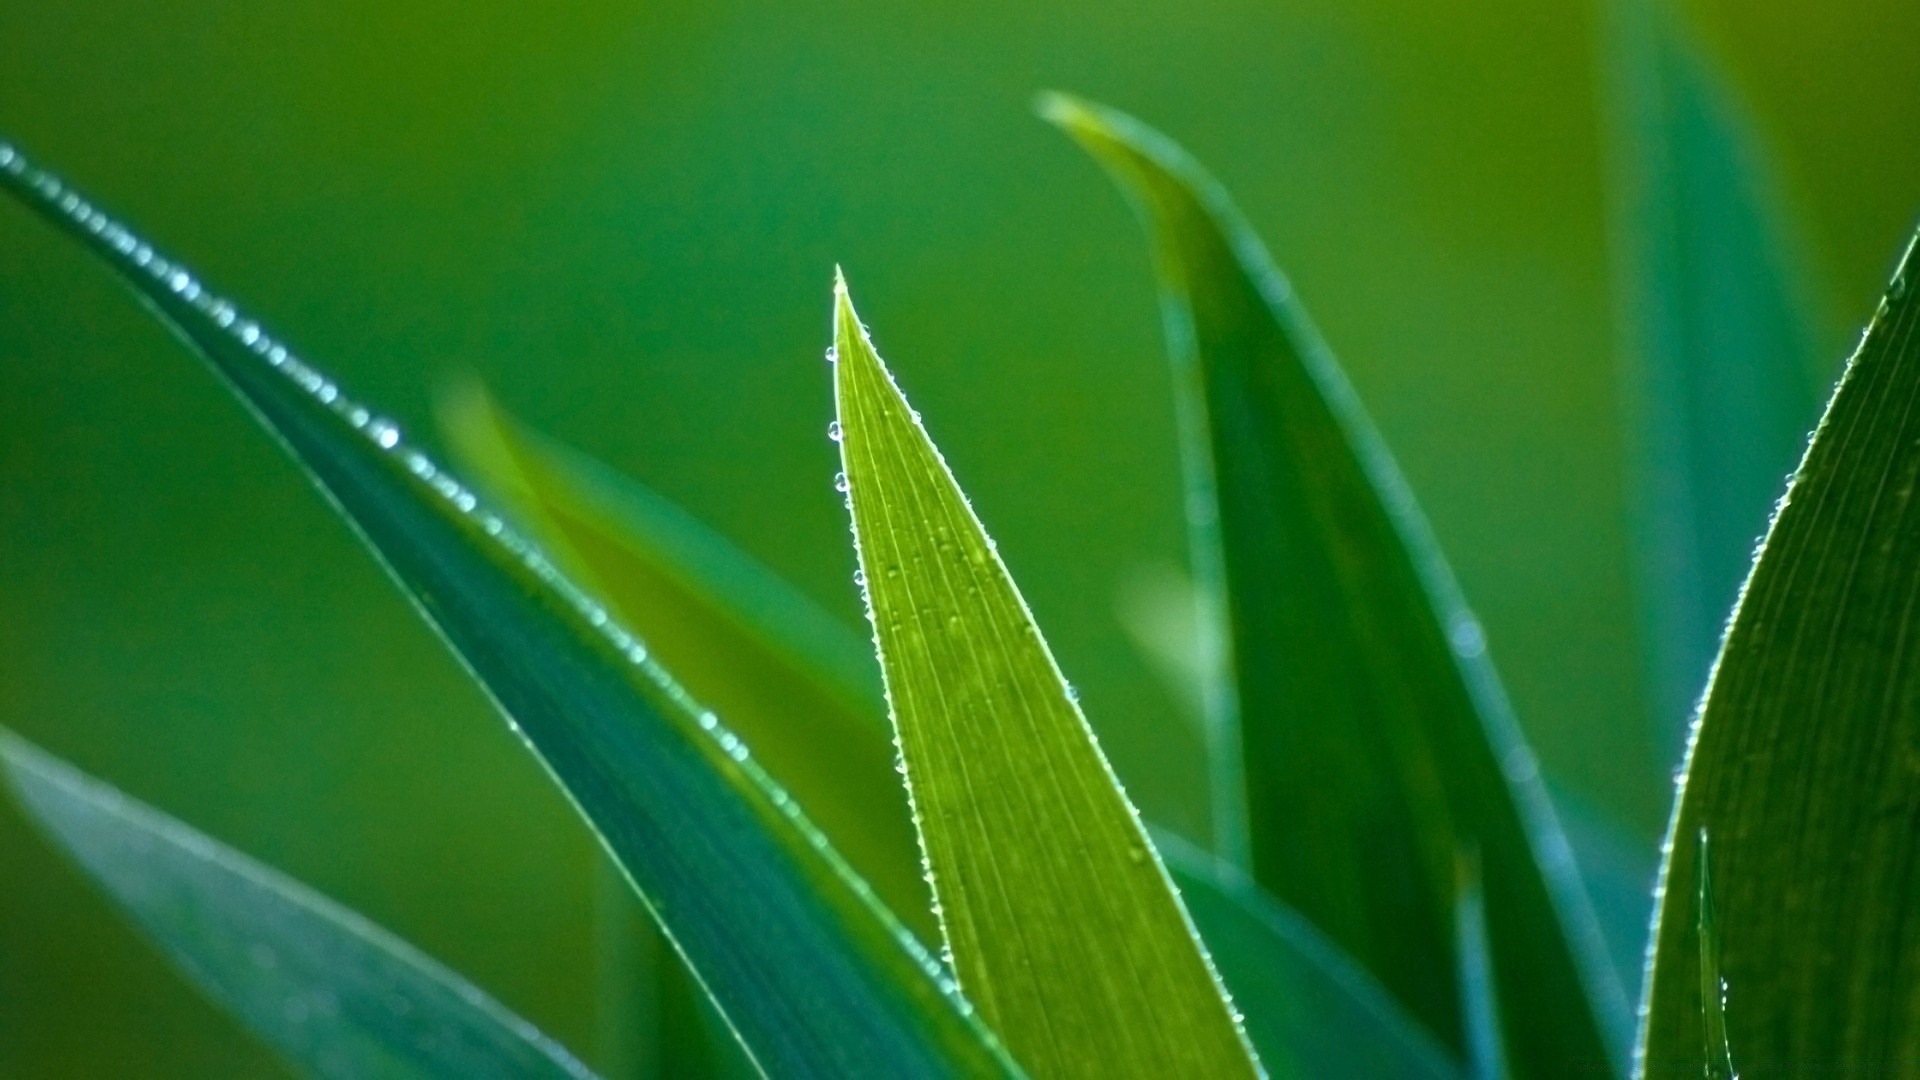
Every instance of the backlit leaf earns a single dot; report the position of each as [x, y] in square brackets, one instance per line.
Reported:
[1062, 924]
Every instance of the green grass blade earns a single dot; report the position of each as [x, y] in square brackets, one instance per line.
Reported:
[1719, 333]
[787, 676]
[1713, 985]
[812, 972]
[1479, 990]
[1312, 1012]
[1378, 744]
[1060, 919]
[336, 995]
[1803, 761]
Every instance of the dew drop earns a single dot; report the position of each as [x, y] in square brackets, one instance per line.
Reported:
[1899, 288]
[840, 482]
[833, 355]
[860, 578]
[833, 431]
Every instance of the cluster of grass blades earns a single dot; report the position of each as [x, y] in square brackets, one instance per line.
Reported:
[1387, 893]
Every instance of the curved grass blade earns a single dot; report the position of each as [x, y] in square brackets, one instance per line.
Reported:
[1060, 919]
[785, 674]
[1375, 734]
[1803, 761]
[336, 995]
[809, 968]
[1720, 337]
[1309, 1011]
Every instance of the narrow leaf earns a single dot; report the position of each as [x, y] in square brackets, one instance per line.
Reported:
[786, 675]
[1479, 995]
[1805, 763]
[1719, 333]
[1376, 736]
[1060, 919]
[812, 972]
[1713, 985]
[338, 996]
[1310, 1011]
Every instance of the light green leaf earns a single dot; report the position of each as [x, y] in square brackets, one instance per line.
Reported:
[1310, 1012]
[1061, 922]
[1805, 764]
[1378, 744]
[338, 996]
[1719, 331]
[812, 972]
[786, 675]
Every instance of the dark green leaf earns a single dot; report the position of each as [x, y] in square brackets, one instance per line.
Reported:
[814, 974]
[338, 996]
[1378, 745]
[1805, 764]
[1713, 985]
[1061, 921]
[1720, 337]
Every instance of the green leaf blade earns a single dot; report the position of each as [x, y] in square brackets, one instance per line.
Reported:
[1377, 743]
[812, 972]
[1061, 921]
[1802, 766]
[334, 994]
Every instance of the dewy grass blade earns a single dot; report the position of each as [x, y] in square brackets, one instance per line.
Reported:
[1803, 763]
[810, 969]
[1713, 985]
[1062, 924]
[1720, 332]
[787, 676]
[334, 994]
[1378, 744]
[1309, 1010]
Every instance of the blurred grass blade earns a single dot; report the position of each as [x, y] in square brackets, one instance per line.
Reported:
[1061, 922]
[1375, 734]
[1802, 763]
[1479, 995]
[1311, 1012]
[1713, 985]
[786, 676]
[1720, 334]
[338, 996]
[812, 972]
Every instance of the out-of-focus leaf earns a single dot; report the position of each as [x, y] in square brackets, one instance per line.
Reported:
[1312, 1013]
[338, 996]
[1309, 1010]
[1479, 993]
[1805, 763]
[1062, 924]
[1720, 337]
[745, 643]
[1378, 744]
[809, 968]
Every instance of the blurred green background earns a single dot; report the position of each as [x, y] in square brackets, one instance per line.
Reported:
[624, 218]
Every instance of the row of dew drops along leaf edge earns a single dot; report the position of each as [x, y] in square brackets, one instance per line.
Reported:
[386, 435]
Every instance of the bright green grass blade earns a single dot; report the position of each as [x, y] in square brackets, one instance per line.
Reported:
[338, 996]
[1310, 1011]
[813, 973]
[1061, 922]
[1804, 762]
[1378, 744]
[786, 675]
[1720, 338]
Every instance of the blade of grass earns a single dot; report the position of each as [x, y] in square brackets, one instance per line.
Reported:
[1713, 986]
[1720, 337]
[816, 977]
[1479, 993]
[1803, 763]
[1060, 920]
[1376, 738]
[1310, 1012]
[334, 994]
